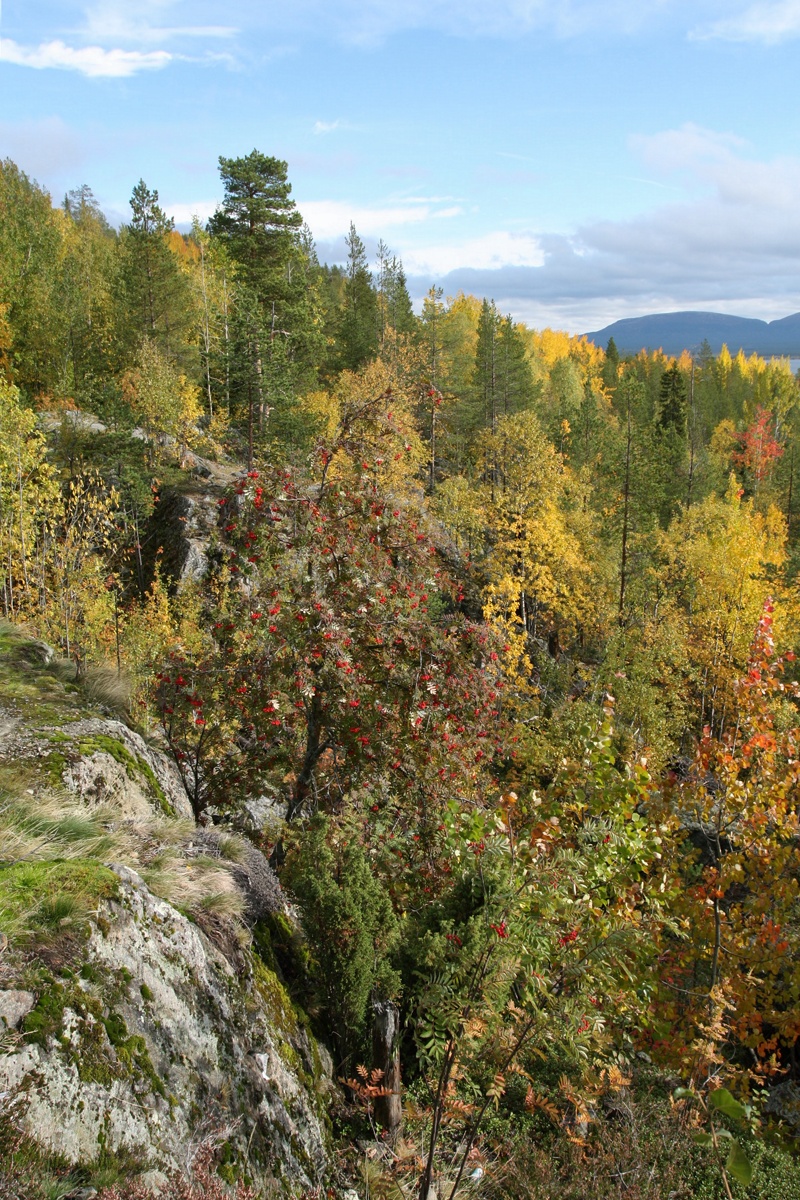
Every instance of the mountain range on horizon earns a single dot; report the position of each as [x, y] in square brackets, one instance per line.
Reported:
[677, 331]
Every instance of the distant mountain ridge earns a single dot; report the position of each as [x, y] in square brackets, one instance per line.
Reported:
[677, 331]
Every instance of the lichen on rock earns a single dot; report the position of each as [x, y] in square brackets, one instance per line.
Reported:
[159, 1037]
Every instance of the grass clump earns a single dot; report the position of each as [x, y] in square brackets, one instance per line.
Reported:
[104, 685]
[48, 826]
[39, 900]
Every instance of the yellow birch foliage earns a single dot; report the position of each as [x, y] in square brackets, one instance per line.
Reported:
[719, 561]
[6, 338]
[74, 603]
[538, 544]
[27, 490]
[368, 418]
[166, 403]
[53, 541]
[152, 628]
[549, 346]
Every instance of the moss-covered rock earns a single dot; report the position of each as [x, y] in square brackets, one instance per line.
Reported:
[55, 732]
[151, 1033]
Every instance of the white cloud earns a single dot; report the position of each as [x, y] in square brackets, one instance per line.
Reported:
[732, 245]
[721, 161]
[330, 219]
[687, 148]
[729, 241]
[120, 21]
[326, 126]
[92, 61]
[485, 253]
[372, 20]
[183, 214]
[771, 21]
[433, 200]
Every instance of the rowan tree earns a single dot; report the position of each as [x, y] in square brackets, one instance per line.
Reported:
[758, 449]
[340, 665]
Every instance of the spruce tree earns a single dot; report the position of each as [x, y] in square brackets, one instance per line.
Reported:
[358, 337]
[611, 365]
[155, 292]
[485, 375]
[672, 401]
[401, 314]
[514, 375]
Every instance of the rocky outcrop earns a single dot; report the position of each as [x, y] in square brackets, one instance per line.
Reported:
[137, 1019]
[14, 1007]
[179, 532]
[185, 523]
[114, 765]
[161, 1043]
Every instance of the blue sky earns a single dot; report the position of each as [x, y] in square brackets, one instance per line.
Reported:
[576, 160]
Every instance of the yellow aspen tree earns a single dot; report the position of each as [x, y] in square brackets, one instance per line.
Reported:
[540, 583]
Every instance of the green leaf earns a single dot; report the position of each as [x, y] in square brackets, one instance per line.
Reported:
[739, 1164]
[724, 1102]
[702, 1139]
[683, 1093]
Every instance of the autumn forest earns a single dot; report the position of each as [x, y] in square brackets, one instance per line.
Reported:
[499, 628]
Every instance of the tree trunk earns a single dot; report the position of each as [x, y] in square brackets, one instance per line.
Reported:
[386, 1058]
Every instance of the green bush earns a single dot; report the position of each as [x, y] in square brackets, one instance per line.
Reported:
[350, 926]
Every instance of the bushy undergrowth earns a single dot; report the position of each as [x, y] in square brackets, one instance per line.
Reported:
[639, 1153]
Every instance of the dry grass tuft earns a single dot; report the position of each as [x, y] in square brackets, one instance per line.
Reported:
[104, 685]
[195, 885]
[169, 854]
[45, 826]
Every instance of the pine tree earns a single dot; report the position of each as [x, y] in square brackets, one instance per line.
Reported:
[265, 236]
[279, 330]
[259, 222]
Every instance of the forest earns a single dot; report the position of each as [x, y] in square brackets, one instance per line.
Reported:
[503, 627]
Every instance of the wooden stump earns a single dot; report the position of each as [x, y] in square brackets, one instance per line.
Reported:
[386, 1058]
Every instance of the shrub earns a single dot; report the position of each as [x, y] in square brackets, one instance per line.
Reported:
[350, 925]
